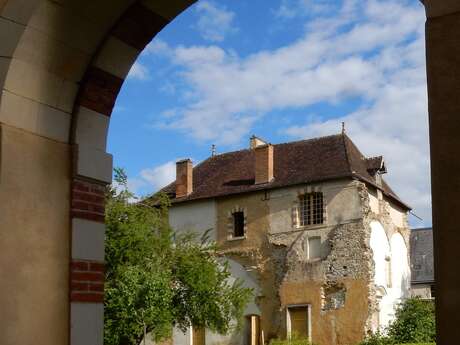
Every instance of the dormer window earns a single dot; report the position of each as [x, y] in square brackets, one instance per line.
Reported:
[311, 209]
[238, 224]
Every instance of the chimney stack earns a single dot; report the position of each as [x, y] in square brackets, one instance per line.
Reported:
[255, 142]
[184, 178]
[263, 163]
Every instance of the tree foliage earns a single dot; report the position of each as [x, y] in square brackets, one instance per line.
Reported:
[414, 323]
[157, 279]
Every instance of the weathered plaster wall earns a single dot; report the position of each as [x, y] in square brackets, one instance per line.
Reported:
[373, 201]
[342, 200]
[253, 252]
[398, 216]
[198, 216]
[339, 326]
[34, 239]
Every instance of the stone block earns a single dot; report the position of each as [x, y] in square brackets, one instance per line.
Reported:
[53, 123]
[39, 49]
[34, 117]
[87, 240]
[67, 26]
[86, 323]
[20, 11]
[10, 33]
[93, 163]
[38, 84]
[4, 65]
[91, 128]
[116, 57]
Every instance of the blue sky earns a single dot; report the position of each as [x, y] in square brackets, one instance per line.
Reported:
[286, 70]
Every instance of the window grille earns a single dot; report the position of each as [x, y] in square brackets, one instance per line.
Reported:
[311, 209]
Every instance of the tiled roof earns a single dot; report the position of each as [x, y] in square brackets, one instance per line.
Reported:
[300, 162]
[421, 255]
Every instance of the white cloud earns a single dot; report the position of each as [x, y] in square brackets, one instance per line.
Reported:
[139, 71]
[158, 47]
[159, 176]
[289, 9]
[152, 179]
[214, 22]
[370, 49]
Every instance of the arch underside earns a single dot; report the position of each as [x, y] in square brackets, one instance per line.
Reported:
[62, 64]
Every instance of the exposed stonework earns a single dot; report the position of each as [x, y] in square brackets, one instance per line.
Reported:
[337, 285]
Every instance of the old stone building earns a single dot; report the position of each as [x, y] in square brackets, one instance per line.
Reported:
[311, 226]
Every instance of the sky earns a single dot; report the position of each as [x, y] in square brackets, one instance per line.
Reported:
[283, 70]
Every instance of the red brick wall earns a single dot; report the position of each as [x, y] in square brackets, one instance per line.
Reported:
[87, 281]
[88, 200]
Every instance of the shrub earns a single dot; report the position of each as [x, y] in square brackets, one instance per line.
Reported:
[414, 325]
[415, 322]
[378, 339]
[294, 340]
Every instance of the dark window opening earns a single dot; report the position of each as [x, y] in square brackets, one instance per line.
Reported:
[238, 224]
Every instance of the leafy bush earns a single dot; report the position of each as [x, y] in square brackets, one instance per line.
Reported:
[378, 339]
[414, 324]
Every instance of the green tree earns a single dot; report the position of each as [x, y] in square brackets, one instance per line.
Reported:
[415, 322]
[155, 279]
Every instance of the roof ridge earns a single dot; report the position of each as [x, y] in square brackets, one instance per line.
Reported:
[346, 152]
[279, 144]
[309, 139]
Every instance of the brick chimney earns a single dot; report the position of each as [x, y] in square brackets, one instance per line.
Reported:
[184, 178]
[263, 163]
[255, 142]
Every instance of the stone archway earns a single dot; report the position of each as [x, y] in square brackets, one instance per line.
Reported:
[62, 63]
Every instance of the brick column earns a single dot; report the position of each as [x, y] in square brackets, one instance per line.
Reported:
[87, 263]
[93, 165]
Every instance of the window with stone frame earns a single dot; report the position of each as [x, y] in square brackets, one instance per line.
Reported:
[312, 247]
[311, 209]
[238, 224]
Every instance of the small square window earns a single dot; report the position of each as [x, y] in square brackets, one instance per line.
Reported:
[312, 247]
[238, 224]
